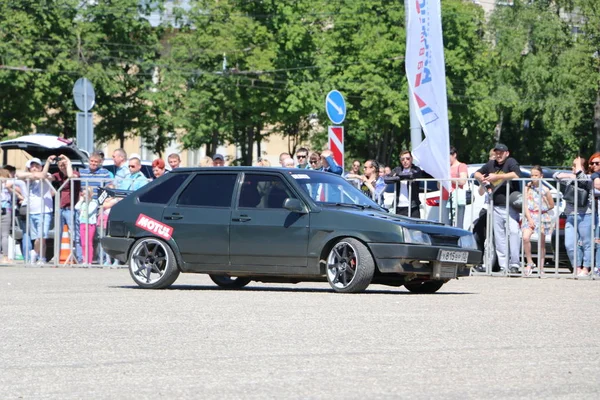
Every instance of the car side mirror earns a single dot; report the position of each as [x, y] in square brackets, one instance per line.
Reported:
[294, 205]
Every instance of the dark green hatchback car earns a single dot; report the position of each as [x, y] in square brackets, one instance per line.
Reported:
[278, 225]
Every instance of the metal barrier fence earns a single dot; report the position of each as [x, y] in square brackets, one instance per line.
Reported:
[69, 239]
[576, 230]
[68, 236]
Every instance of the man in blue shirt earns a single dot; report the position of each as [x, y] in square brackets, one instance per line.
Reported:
[122, 173]
[136, 178]
[329, 164]
[95, 176]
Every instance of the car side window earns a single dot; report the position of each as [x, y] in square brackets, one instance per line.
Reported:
[208, 190]
[263, 191]
[162, 193]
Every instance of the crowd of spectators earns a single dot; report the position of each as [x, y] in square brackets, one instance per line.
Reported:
[29, 195]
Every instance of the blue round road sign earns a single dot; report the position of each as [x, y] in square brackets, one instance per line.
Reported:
[335, 107]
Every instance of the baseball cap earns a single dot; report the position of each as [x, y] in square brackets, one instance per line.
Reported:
[33, 160]
[135, 155]
[500, 147]
[218, 157]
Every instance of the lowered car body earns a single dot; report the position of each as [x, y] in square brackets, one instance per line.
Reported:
[243, 224]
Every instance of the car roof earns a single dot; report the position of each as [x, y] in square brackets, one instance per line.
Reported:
[42, 146]
[250, 168]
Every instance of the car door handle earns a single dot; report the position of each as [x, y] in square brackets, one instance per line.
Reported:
[174, 216]
[242, 218]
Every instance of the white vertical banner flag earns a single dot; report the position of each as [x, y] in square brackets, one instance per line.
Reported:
[426, 74]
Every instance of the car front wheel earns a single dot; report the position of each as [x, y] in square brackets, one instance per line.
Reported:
[229, 282]
[152, 264]
[350, 266]
[427, 287]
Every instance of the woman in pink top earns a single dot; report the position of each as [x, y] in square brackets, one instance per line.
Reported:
[453, 211]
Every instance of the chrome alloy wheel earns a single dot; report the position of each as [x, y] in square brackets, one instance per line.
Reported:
[149, 260]
[342, 264]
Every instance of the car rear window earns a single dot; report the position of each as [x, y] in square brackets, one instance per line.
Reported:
[162, 192]
[208, 190]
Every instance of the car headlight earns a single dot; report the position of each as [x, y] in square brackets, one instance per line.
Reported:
[416, 237]
[468, 242]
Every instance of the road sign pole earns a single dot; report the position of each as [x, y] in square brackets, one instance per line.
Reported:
[336, 143]
[85, 97]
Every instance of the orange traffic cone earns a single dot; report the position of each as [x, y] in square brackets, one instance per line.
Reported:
[66, 255]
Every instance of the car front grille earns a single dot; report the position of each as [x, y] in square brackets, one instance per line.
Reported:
[443, 240]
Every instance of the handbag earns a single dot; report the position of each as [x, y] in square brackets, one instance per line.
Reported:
[582, 196]
[463, 197]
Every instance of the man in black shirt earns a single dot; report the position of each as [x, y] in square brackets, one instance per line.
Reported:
[495, 175]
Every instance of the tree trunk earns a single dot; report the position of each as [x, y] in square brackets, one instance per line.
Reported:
[214, 143]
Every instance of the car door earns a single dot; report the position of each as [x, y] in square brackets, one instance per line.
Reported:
[265, 236]
[200, 217]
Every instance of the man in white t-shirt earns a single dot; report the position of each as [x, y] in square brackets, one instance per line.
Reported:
[39, 205]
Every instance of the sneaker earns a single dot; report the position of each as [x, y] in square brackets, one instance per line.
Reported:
[479, 268]
[513, 269]
[33, 257]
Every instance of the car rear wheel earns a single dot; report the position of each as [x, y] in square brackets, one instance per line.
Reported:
[427, 287]
[350, 266]
[229, 282]
[152, 264]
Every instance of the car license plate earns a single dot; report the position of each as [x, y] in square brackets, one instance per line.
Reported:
[453, 256]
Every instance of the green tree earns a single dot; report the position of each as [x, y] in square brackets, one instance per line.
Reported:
[218, 56]
[544, 106]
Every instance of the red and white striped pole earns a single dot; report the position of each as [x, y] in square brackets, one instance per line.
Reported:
[336, 143]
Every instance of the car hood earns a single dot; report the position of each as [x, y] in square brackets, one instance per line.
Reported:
[42, 146]
[426, 226]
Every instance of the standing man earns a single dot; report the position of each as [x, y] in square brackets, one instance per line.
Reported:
[283, 156]
[119, 157]
[71, 189]
[494, 176]
[302, 157]
[95, 176]
[329, 164]
[218, 160]
[136, 178]
[174, 160]
[407, 201]
[39, 206]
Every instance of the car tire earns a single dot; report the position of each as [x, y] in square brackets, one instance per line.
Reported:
[152, 264]
[229, 282]
[427, 287]
[350, 266]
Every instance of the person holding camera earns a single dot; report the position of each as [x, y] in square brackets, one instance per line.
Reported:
[495, 176]
[69, 195]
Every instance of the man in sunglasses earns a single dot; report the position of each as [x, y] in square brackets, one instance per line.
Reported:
[136, 178]
[302, 157]
[407, 189]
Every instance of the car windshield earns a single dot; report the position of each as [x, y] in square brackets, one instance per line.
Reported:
[328, 188]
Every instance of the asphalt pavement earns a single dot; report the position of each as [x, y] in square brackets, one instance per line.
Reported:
[91, 333]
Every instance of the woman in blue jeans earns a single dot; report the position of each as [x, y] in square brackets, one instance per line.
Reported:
[578, 229]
